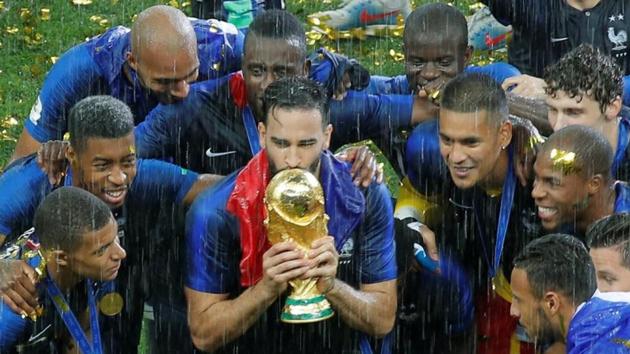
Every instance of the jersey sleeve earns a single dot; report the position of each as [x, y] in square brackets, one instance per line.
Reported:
[158, 182]
[159, 135]
[72, 78]
[22, 187]
[361, 116]
[388, 85]
[212, 247]
[378, 254]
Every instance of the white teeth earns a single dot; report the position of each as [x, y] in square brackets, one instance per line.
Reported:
[114, 194]
[545, 212]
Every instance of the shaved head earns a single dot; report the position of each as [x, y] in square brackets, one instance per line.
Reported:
[164, 52]
[162, 28]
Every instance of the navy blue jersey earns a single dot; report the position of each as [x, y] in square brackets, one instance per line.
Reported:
[545, 30]
[97, 67]
[212, 130]
[366, 255]
[25, 185]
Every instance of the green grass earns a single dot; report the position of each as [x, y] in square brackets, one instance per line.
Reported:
[24, 63]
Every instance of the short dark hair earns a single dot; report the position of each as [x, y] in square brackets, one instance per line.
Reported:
[559, 263]
[278, 24]
[437, 19]
[472, 92]
[593, 153]
[296, 93]
[98, 117]
[612, 231]
[66, 215]
[585, 71]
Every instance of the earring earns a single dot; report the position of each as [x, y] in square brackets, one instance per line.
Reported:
[503, 147]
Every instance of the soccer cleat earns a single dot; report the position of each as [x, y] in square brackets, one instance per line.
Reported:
[373, 15]
[485, 32]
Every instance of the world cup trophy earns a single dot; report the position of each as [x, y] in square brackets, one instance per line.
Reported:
[295, 212]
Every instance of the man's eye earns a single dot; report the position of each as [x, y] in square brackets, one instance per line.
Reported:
[256, 71]
[445, 62]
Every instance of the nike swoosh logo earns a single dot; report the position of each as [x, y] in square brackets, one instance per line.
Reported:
[209, 153]
[35, 336]
[366, 17]
[555, 40]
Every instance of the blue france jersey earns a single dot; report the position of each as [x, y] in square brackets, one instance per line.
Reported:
[96, 67]
[24, 186]
[361, 221]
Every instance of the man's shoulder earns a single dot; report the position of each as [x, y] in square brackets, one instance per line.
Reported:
[23, 171]
[212, 203]
[108, 50]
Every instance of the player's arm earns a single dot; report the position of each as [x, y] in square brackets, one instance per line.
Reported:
[372, 307]
[203, 182]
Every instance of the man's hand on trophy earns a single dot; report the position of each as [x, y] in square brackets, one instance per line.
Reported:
[324, 260]
[281, 263]
[364, 165]
[17, 286]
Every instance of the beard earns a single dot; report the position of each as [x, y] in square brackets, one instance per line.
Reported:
[545, 333]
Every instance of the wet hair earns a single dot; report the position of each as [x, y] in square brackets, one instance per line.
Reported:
[437, 20]
[612, 231]
[558, 263]
[473, 92]
[64, 217]
[593, 153]
[585, 71]
[293, 93]
[98, 117]
[278, 24]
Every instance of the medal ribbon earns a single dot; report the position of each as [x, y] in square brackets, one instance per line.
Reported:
[71, 321]
[251, 129]
[622, 144]
[507, 199]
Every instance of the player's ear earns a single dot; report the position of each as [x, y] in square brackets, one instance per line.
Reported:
[132, 61]
[71, 155]
[327, 134]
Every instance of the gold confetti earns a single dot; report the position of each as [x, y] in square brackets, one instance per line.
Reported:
[44, 14]
[185, 4]
[95, 18]
[1, 5]
[54, 59]
[134, 17]
[11, 30]
[397, 56]
[25, 14]
[564, 160]
[81, 2]
[8, 122]
[174, 3]
[103, 23]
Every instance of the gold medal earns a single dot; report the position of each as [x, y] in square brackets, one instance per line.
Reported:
[111, 304]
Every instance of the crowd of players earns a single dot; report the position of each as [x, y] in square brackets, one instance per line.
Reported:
[500, 241]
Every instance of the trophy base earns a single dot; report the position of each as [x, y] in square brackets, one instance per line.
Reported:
[307, 310]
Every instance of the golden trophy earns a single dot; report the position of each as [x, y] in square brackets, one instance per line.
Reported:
[295, 212]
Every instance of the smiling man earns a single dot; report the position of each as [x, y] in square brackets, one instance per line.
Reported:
[573, 186]
[594, 102]
[103, 162]
[236, 281]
